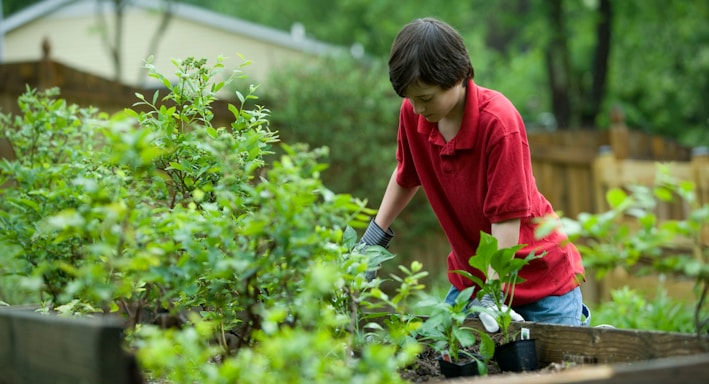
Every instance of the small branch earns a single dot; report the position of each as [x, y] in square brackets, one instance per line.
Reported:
[699, 323]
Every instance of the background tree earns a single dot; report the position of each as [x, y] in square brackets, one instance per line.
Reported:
[567, 58]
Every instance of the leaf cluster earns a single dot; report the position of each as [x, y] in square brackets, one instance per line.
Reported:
[500, 268]
[447, 330]
[632, 235]
[209, 252]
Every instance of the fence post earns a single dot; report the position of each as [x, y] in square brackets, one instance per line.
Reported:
[619, 134]
[45, 75]
[604, 171]
[700, 171]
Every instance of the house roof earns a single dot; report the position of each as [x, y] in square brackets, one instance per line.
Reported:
[295, 40]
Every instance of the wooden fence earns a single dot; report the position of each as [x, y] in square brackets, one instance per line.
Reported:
[575, 169]
[563, 162]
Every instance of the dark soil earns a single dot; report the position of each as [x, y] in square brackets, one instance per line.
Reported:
[425, 369]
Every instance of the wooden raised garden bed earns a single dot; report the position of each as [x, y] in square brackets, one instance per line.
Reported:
[37, 348]
[610, 355]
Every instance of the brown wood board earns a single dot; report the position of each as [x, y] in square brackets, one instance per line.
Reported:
[560, 343]
[37, 348]
[675, 370]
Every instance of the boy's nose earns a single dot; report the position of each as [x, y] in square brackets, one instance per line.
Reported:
[418, 108]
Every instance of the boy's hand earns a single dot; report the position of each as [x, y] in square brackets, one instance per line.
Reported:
[489, 320]
[374, 235]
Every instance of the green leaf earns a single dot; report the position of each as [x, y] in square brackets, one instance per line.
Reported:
[664, 194]
[464, 337]
[487, 346]
[177, 166]
[616, 197]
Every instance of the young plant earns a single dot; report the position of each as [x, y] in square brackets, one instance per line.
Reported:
[500, 288]
[375, 315]
[446, 329]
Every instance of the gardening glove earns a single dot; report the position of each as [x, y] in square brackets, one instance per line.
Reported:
[489, 320]
[374, 235]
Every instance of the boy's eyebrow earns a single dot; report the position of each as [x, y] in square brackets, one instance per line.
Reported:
[423, 94]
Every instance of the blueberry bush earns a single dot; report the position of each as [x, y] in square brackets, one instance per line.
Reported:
[226, 268]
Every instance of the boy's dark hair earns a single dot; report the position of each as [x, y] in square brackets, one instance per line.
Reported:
[430, 51]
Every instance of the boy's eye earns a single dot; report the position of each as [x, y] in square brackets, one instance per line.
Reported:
[426, 99]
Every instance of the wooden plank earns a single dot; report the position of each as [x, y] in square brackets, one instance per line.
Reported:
[559, 343]
[578, 188]
[700, 169]
[564, 155]
[675, 370]
[547, 181]
[37, 348]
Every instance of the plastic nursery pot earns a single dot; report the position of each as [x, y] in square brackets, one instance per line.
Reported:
[449, 369]
[517, 356]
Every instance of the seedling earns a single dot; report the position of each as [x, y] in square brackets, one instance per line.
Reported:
[445, 327]
[506, 266]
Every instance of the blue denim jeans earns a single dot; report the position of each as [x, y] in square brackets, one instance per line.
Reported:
[567, 309]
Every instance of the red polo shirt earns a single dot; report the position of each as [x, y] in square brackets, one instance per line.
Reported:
[482, 176]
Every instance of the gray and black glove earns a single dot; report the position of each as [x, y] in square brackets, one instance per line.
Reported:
[375, 235]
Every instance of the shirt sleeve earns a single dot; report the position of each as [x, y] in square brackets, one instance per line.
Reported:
[406, 175]
[508, 177]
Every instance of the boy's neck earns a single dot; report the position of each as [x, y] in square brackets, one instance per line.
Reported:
[450, 125]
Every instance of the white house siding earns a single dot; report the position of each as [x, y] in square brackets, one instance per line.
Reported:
[75, 41]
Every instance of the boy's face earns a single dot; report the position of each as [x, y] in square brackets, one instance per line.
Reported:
[434, 103]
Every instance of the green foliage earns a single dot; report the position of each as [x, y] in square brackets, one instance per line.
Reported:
[154, 213]
[649, 77]
[346, 106]
[507, 40]
[629, 308]
[395, 314]
[372, 24]
[54, 143]
[11, 6]
[501, 270]
[350, 108]
[632, 236]
[446, 329]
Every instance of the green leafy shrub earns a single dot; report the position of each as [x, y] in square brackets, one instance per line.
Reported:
[488, 258]
[630, 235]
[629, 308]
[54, 142]
[445, 329]
[349, 107]
[226, 268]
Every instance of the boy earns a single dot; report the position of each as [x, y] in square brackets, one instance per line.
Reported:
[466, 146]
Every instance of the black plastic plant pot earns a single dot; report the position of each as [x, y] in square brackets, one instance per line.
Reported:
[517, 356]
[449, 369]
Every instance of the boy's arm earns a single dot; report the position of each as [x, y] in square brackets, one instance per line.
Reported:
[507, 235]
[378, 232]
[395, 199]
